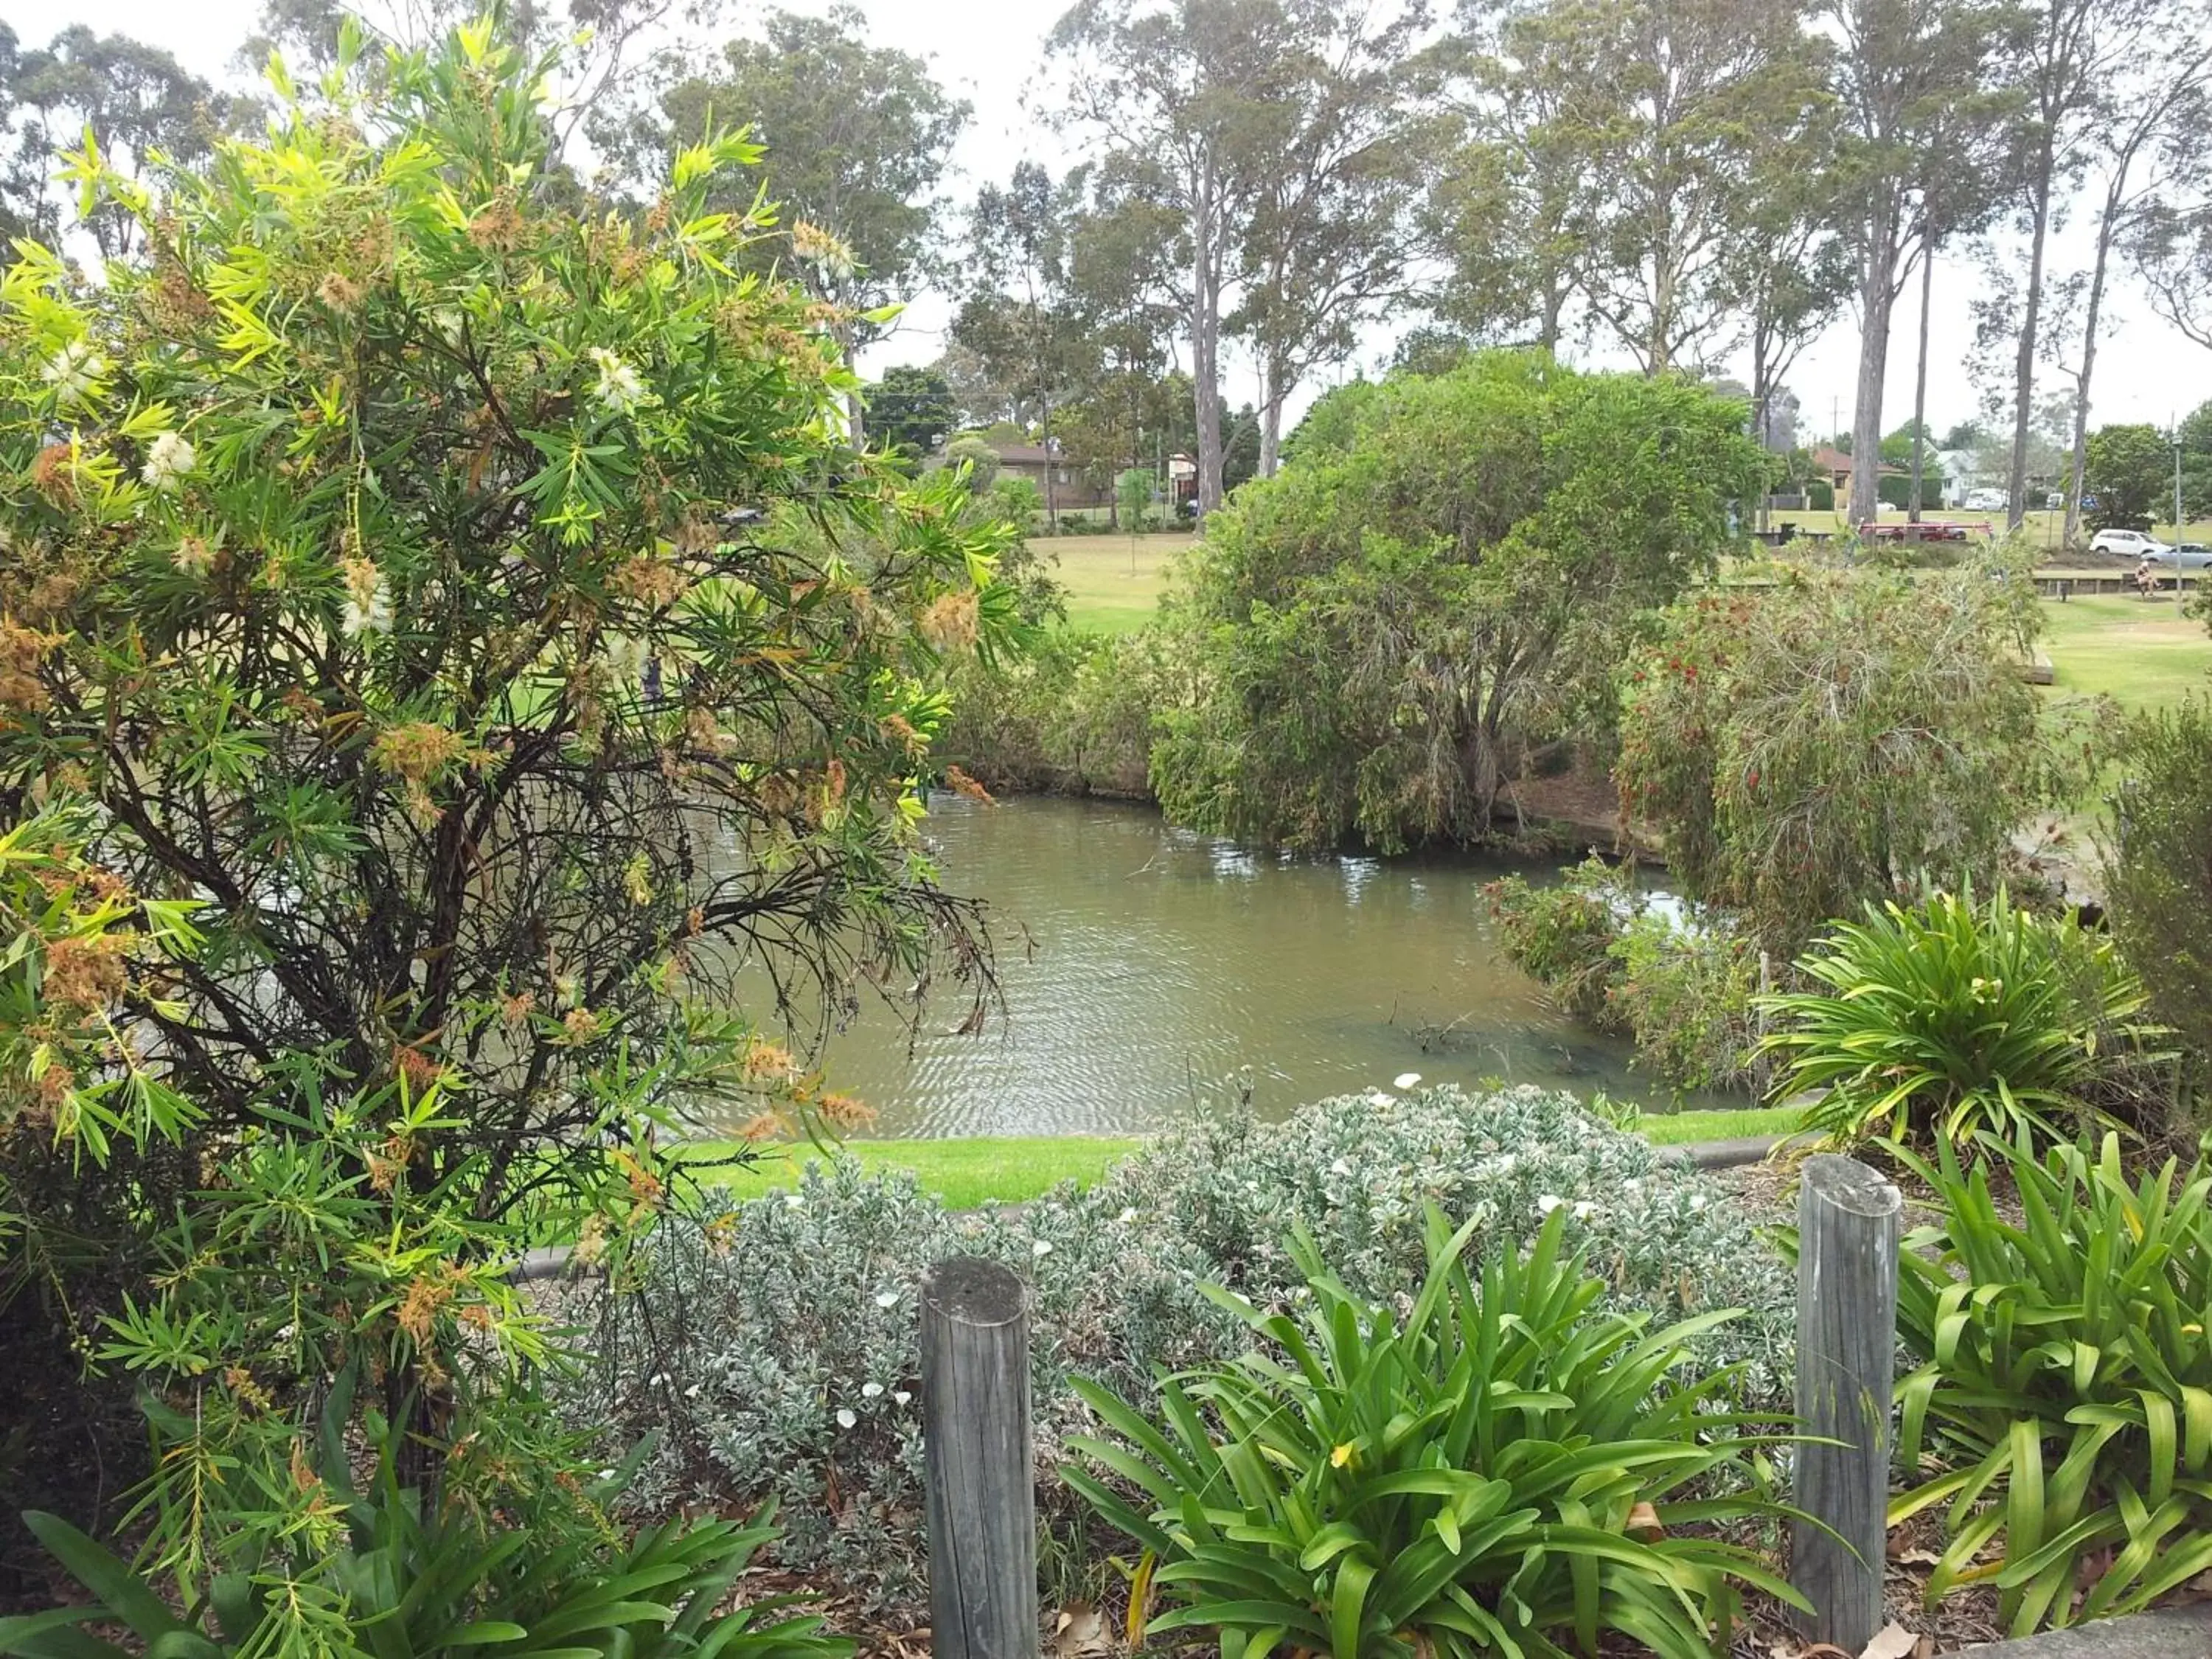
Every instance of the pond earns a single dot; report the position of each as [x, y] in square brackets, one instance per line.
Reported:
[1147, 970]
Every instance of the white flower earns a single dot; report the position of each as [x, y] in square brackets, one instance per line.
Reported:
[1698, 1202]
[900, 1396]
[624, 656]
[659, 1379]
[168, 457]
[1129, 1214]
[74, 373]
[1377, 1098]
[691, 1392]
[1342, 1167]
[1405, 1079]
[887, 1298]
[871, 1390]
[793, 1202]
[287, 1333]
[368, 600]
[1548, 1203]
[1042, 1248]
[621, 388]
[846, 1419]
[606, 1474]
[1584, 1209]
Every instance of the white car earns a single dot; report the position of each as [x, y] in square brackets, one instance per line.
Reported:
[2128, 544]
[1984, 501]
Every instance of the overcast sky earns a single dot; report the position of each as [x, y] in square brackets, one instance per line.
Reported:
[989, 50]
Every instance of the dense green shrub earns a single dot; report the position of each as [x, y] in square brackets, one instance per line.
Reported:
[2158, 885]
[1562, 933]
[1380, 631]
[1686, 990]
[1844, 738]
[1948, 1018]
[391, 1573]
[1893, 489]
[1821, 495]
[468, 598]
[1477, 1473]
[2065, 1381]
[775, 1347]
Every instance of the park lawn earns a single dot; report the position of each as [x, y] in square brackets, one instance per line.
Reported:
[1012, 1170]
[1112, 582]
[2142, 653]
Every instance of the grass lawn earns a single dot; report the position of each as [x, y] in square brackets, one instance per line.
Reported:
[1113, 581]
[965, 1174]
[2143, 653]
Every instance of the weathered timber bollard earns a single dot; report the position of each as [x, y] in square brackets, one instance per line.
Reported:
[976, 1455]
[1848, 1224]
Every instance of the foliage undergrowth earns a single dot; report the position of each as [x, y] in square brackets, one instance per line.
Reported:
[1488, 1470]
[2064, 1379]
[775, 1343]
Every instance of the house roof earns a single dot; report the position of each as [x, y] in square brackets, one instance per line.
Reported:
[1829, 458]
[1027, 455]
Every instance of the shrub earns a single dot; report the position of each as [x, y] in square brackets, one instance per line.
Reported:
[1478, 1473]
[1382, 630]
[776, 1345]
[1821, 495]
[1562, 933]
[2158, 884]
[391, 1572]
[1950, 1017]
[465, 595]
[1687, 990]
[2064, 1379]
[1075, 716]
[1844, 738]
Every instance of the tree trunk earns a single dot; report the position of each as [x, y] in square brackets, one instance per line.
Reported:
[1920, 385]
[2105, 224]
[1271, 423]
[1875, 300]
[1051, 461]
[2023, 389]
[1206, 336]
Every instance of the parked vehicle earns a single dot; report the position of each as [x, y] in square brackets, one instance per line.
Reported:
[2128, 544]
[1986, 500]
[2194, 556]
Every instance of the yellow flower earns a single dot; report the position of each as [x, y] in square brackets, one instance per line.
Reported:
[1341, 1457]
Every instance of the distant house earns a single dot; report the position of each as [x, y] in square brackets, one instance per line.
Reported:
[1834, 466]
[1069, 488]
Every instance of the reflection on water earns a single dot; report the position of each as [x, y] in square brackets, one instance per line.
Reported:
[1146, 969]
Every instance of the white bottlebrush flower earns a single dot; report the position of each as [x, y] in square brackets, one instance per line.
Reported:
[625, 655]
[871, 1390]
[368, 599]
[1405, 1079]
[621, 388]
[846, 1417]
[168, 457]
[74, 373]
[887, 1298]
[1548, 1202]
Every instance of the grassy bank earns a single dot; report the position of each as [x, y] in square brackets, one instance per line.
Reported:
[1012, 1169]
[2143, 653]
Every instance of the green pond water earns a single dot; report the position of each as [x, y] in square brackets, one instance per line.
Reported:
[1146, 971]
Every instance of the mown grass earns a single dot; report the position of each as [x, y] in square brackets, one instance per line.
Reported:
[2143, 653]
[1011, 1170]
[1112, 582]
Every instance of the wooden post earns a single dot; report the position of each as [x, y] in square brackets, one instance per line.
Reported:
[1848, 1225]
[976, 1455]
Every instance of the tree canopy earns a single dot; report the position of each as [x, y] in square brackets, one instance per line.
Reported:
[1439, 578]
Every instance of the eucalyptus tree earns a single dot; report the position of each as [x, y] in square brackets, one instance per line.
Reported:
[1677, 115]
[1020, 313]
[858, 138]
[1330, 232]
[2171, 250]
[1915, 84]
[2154, 132]
[115, 103]
[2070, 62]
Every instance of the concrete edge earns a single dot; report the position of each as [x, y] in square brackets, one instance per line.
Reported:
[1724, 1154]
[2166, 1633]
